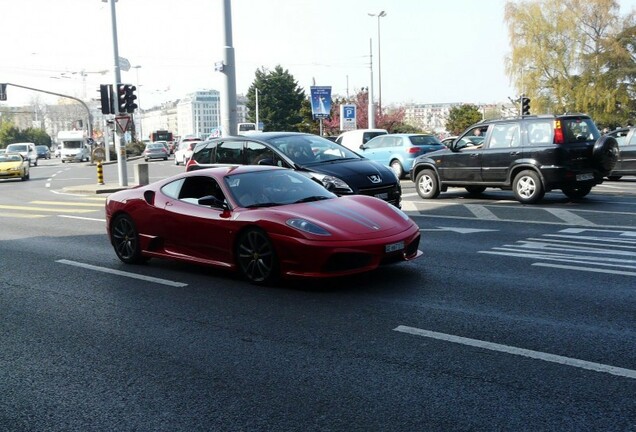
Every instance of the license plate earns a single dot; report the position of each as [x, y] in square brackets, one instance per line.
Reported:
[582, 177]
[394, 247]
[383, 196]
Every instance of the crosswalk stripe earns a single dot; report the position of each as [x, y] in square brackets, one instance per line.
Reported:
[66, 203]
[45, 209]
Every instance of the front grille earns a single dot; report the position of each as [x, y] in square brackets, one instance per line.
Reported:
[392, 193]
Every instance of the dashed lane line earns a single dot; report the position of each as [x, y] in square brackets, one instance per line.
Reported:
[538, 355]
[122, 273]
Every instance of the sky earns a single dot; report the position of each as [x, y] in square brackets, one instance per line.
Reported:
[431, 51]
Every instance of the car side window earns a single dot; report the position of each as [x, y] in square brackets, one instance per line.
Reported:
[505, 135]
[540, 133]
[632, 140]
[230, 152]
[377, 143]
[206, 154]
[172, 189]
[257, 153]
[196, 187]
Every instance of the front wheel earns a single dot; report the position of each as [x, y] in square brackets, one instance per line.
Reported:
[576, 192]
[256, 257]
[125, 240]
[527, 187]
[426, 184]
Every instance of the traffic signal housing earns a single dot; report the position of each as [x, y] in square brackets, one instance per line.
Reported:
[106, 97]
[525, 106]
[126, 98]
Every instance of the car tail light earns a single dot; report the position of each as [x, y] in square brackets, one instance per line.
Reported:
[558, 132]
[414, 150]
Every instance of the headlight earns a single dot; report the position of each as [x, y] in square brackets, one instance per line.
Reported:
[308, 227]
[332, 183]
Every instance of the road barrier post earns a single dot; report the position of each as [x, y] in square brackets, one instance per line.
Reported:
[100, 173]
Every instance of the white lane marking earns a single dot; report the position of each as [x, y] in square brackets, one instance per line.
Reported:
[538, 355]
[481, 212]
[409, 206]
[458, 230]
[586, 269]
[122, 273]
[82, 218]
[569, 217]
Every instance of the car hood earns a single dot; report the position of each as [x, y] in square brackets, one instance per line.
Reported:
[10, 165]
[359, 173]
[353, 217]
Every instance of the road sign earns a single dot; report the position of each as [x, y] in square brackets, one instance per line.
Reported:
[347, 117]
[122, 123]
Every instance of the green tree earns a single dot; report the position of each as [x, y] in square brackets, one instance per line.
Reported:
[563, 55]
[280, 100]
[461, 117]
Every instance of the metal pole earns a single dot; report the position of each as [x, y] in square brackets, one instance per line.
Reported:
[228, 90]
[88, 111]
[256, 94]
[141, 134]
[121, 152]
[371, 110]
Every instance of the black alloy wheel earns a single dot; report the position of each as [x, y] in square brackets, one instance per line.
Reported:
[256, 257]
[125, 240]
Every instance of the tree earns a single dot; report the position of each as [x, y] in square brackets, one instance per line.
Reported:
[280, 100]
[461, 117]
[565, 55]
[11, 134]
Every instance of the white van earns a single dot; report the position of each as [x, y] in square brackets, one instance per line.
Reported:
[27, 150]
[73, 146]
[355, 138]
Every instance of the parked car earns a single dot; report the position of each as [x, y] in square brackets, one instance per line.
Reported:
[43, 152]
[530, 155]
[337, 168]
[355, 138]
[184, 152]
[261, 221]
[626, 164]
[449, 140]
[398, 151]
[156, 150]
[27, 150]
[13, 165]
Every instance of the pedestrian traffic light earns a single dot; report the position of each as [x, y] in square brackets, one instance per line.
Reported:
[126, 98]
[525, 106]
[106, 97]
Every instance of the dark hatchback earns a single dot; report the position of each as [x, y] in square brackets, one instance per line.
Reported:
[338, 169]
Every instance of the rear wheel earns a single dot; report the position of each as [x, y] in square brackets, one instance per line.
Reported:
[426, 184]
[396, 166]
[125, 240]
[576, 192]
[256, 257]
[527, 187]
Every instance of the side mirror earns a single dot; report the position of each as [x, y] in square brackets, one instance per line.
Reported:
[363, 147]
[212, 201]
[267, 161]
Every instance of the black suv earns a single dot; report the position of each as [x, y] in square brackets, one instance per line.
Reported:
[530, 155]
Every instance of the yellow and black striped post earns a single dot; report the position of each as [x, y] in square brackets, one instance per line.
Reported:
[100, 173]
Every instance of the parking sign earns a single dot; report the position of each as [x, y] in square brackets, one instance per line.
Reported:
[347, 117]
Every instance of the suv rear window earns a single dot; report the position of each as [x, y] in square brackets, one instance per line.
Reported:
[572, 130]
[579, 129]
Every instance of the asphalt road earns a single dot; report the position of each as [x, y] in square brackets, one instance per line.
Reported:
[516, 318]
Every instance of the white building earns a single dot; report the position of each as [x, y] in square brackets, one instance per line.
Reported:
[199, 113]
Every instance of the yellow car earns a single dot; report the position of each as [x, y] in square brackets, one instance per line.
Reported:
[13, 165]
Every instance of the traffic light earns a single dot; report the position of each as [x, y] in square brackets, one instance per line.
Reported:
[106, 97]
[126, 98]
[3, 92]
[525, 106]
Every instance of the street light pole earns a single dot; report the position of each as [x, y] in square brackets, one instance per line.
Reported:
[379, 15]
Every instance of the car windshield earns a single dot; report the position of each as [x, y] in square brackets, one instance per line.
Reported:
[72, 144]
[311, 149]
[274, 188]
[155, 146]
[42, 148]
[10, 158]
[424, 140]
[17, 147]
